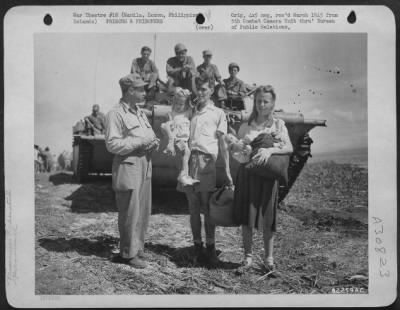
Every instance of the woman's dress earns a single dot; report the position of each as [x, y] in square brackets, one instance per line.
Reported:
[256, 197]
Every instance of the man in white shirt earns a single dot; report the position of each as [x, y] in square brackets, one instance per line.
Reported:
[207, 128]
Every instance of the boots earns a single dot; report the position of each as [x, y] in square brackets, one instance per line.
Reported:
[198, 253]
[212, 259]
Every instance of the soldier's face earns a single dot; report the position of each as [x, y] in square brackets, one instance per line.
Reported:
[265, 104]
[204, 93]
[137, 94]
[233, 72]
[95, 109]
[181, 55]
[207, 59]
[146, 55]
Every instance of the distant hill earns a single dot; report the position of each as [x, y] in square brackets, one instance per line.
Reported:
[357, 156]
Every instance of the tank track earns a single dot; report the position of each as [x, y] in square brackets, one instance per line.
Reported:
[85, 154]
[302, 151]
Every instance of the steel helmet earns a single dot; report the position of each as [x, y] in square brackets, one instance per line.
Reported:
[233, 65]
[180, 47]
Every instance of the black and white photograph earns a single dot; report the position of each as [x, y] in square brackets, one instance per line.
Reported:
[303, 230]
[202, 163]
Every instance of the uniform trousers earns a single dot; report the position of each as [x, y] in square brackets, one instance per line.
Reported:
[134, 204]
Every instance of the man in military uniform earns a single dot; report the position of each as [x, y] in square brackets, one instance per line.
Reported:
[181, 69]
[130, 137]
[208, 70]
[235, 88]
[147, 69]
[95, 122]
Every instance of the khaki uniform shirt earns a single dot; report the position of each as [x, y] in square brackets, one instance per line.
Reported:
[210, 71]
[235, 85]
[147, 70]
[125, 130]
[98, 121]
[204, 127]
[174, 66]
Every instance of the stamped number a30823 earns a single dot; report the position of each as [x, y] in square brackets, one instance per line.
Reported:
[379, 247]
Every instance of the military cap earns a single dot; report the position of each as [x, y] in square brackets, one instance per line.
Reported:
[131, 80]
[207, 52]
[179, 48]
[233, 65]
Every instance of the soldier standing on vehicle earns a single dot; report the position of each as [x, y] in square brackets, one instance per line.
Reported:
[147, 69]
[208, 70]
[181, 69]
[235, 88]
[130, 137]
[95, 122]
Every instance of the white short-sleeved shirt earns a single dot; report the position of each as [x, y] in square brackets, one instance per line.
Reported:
[204, 127]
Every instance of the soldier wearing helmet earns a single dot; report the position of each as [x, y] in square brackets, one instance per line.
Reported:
[95, 122]
[147, 70]
[181, 69]
[208, 70]
[235, 88]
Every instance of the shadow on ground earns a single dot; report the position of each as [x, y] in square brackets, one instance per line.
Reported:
[69, 178]
[103, 247]
[62, 178]
[97, 195]
[167, 200]
[183, 257]
[100, 246]
[93, 197]
[100, 197]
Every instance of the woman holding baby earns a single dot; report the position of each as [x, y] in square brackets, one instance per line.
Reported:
[256, 197]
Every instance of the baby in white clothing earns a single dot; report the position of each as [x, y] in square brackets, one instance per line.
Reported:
[242, 149]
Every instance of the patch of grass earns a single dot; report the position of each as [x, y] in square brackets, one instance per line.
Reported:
[321, 242]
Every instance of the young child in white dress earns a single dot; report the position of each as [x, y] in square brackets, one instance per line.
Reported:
[177, 129]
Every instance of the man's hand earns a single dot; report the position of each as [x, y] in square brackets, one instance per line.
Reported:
[147, 140]
[225, 157]
[262, 156]
[186, 68]
[229, 180]
[153, 146]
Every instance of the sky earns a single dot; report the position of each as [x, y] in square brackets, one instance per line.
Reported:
[75, 71]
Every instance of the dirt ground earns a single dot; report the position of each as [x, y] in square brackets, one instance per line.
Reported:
[321, 243]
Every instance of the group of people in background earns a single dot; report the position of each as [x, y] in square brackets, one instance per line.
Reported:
[197, 130]
[182, 72]
[44, 161]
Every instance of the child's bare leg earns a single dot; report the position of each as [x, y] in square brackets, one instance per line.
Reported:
[167, 133]
[185, 160]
